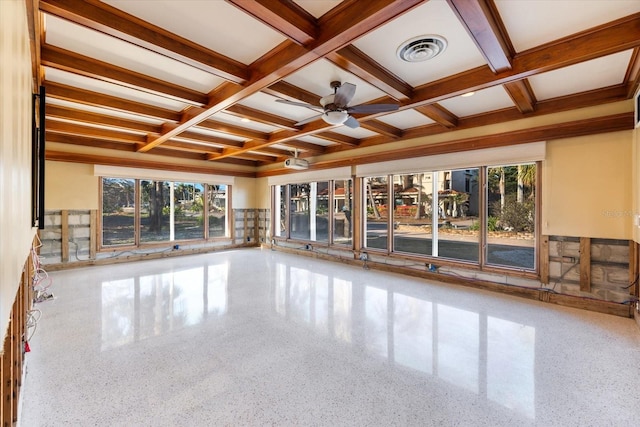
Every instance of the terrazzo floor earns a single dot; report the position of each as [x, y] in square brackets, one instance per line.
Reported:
[257, 337]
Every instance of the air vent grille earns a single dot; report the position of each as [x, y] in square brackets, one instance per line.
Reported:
[422, 48]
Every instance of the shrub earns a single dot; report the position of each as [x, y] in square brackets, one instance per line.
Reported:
[516, 216]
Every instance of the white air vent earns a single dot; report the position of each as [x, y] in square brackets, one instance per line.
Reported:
[422, 48]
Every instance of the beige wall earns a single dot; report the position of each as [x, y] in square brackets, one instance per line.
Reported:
[250, 193]
[70, 186]
[587, 186]
[243, 193]
[635, 181]
[16, 233]
[263, 193]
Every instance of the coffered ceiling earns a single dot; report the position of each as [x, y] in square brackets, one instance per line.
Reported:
[169, 83]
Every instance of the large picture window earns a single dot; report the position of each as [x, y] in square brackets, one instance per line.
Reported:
[436, 214]
[377, 212]
[137, 212]
[483, 215]
[317, 211]
[511, 215]
[118, 211]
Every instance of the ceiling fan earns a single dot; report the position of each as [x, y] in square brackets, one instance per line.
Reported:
[335, 109]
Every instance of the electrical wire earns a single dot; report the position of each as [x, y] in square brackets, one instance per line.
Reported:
[33, 317]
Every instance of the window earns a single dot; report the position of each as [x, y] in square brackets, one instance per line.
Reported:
[377, 212]
[443, 214]
[118, 211]
[453, 197]
[342, 209]
[315, 211]
[145, 211]
[511, 215]
[482, 215]
[154, 211]
[217, 210]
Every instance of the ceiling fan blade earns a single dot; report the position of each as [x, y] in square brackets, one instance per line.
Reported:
[299, 104]
[309, 120]
[373, 108]
[352, 123]
[344, 94]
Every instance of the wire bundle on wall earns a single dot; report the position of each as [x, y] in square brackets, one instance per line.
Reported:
[41, 279]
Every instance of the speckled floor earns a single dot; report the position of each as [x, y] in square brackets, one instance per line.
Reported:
[257, 337]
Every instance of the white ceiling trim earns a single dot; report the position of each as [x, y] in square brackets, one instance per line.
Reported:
[521, 153]
[311, 176]
[154, 174]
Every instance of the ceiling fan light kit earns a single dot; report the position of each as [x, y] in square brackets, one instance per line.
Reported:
[335, 109]
[335, 117]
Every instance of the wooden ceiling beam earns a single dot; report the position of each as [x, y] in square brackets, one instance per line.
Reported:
[555, 105]
[261, 117]
[62, 59]
[195, 136]
[439, 114]
[306, 146]
[632, 76]
[355, 61]
[232, 129]
[89, 141]
[338, 138]
[355, 20]
[288, 91]
[35, 25]
[613, 123]
[93, 132]
[207, 150]
[287, 18]
[482, 22]
[147, 163]
[522, 95]
[67, 113]
[81, 96]
[613, 37]
[382, 128]
[114, 22]
[616, 36]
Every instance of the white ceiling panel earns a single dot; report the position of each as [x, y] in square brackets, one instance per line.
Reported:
[433, 18]
[216, 25]
[237, 121]
[114, 51]
[245, 35]
[98, 126]
[317, 8]
[531, 23]
[317, 77]
[597, 73]
[359, 132]
[406, 119]
[112, 89]
[105, 111]
[222, 135]
[482, 101]
[317, 141]
[264, 102]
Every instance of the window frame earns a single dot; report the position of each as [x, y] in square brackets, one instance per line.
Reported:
[138, 244]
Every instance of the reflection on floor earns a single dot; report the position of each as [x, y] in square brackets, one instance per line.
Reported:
[256, 337]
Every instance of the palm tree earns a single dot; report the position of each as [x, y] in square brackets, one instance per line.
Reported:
[419, 199]
[526, 177]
